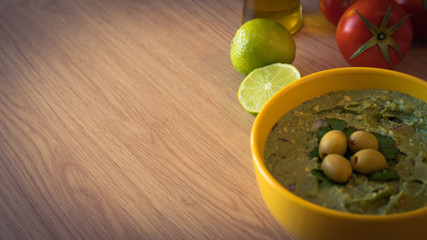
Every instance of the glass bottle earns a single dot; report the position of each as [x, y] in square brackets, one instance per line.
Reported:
[286, 12]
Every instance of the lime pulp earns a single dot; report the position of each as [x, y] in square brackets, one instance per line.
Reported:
[262, 83]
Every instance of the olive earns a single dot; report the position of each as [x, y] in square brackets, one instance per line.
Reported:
[361, 140]
[367, 161]
[333, 141]
[337, 168]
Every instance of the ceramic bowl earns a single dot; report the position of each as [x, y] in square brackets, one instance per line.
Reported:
[308, 221]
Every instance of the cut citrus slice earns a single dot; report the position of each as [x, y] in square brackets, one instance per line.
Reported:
[262, 83]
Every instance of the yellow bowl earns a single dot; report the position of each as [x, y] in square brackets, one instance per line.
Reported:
[308, 221]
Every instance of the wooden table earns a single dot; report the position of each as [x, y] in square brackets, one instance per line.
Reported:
[120, 119]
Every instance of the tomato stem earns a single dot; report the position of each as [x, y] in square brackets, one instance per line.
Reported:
[381, 36]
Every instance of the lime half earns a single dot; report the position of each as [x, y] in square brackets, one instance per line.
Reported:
[262, 83]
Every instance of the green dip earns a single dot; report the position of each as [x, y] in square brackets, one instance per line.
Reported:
[398, 120]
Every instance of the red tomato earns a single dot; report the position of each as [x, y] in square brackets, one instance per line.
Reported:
[333, 9]
[383, 44]
[418, 11]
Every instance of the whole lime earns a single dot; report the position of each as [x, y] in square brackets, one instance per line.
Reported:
[261, 42]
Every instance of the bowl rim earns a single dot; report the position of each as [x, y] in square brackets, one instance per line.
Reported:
[258, 157]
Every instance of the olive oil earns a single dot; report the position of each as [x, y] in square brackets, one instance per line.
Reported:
[286, 12]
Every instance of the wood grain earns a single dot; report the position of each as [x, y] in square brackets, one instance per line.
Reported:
[120, 120]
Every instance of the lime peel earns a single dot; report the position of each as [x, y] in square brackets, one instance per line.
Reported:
[261, 42]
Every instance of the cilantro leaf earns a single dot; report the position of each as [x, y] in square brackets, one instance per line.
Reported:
[314, 153]
[349, 130]
[335, 124]
[384, 175]
[330, 124]
[322, 131]
[390, 153]
[386, 145]
[320, 175]
[384, 141]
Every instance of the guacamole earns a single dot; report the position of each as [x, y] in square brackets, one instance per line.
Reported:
[399, 121]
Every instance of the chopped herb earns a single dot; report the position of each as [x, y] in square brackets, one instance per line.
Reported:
[320, 175]
[349, 130]
[322, 131]
[348, 153]
[314, 153]
[384, 175]
[386, 146]
[330, 124]
[384, 141]
[390, 153]
[335, 124]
